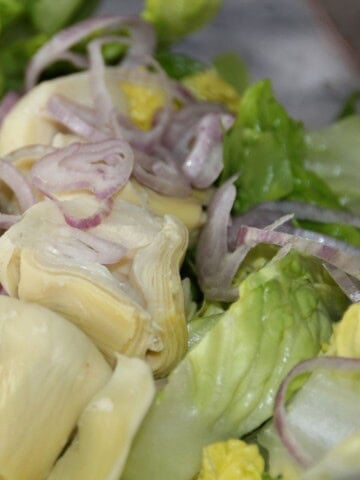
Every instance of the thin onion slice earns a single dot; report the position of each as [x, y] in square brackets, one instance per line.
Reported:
[349, 285]
[204, 162]
[90, 221]
[347, 261]
[7, 103]
[89, 247]
[24, 195]
[216, 266]
[102, 168]
[160, 172]
[77, 118]
[288, 439]
[308, 211]
[141, 33]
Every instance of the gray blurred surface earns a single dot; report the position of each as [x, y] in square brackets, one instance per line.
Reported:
[279, 39]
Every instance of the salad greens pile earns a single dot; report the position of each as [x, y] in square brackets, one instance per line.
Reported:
[240, 352]
[25, 25]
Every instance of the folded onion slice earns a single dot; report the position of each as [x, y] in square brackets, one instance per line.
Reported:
[141, 34]
[289, 440]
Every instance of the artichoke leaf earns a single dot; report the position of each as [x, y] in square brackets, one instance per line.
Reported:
[49, 370]
[107, 425]
[112, 304]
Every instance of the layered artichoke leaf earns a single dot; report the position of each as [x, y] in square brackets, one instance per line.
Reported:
[108, 424]
[49, 371]
[134, 306]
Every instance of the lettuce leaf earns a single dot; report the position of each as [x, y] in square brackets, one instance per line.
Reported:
[233, 70]
[174, 20]
[267, 150]
[226, 384]
[333, 153]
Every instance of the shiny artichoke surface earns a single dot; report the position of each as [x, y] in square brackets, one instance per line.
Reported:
[134, 306]
[49, 371]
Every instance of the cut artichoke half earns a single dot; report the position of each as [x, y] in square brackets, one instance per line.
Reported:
[27, 124]
[134, 306]
[49, 371]
[108, 424]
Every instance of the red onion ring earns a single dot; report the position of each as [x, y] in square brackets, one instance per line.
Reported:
[344, 260]
[97, 249]
[288, 439]
[159, 172]
[57, 48]
[76, 118]
[7, 103]
[102, 168]
[83, 223]
[347, 284]
[204, 162]
[14, 179]
[215, 265]
[307, 211]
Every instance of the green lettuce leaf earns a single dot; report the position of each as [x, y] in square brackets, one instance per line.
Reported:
[226, 384]
[233, 70]
[178, 65]
[174, 20]
[350, 106]
[275, 160]
[333, 153]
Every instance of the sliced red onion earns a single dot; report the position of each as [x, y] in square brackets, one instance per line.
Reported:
[183, 122]
[288, 439]
[344, 260]
[215, 265]
[141, 33]
[307, 211]
[349, 285]
[75, 243]
[204, 163]
[33, 152]
[83, 223]
[7, 103]
[76, 118]
[159, 172]
[103, 103]
[102, 168]
[14, 179]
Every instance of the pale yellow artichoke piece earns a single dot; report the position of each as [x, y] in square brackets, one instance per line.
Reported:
[28, 123]
[49, 371]
[107, 426]
[135, 306]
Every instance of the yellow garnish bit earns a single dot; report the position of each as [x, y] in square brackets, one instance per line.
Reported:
[231, 460]
[143, 103]
[345, 341]
[207, 85]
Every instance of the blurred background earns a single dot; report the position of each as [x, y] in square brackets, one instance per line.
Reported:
[285, 40]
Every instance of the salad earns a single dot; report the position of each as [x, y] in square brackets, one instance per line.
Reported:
[179, 264]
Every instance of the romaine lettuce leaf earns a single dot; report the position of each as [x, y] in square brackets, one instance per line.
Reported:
[226, 384]
[267, 150]
[174, 20]
[333, 153]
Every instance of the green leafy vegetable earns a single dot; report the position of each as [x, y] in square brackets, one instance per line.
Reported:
[233, 70]
[267, 150]
[226, 384]
[25, 26]
[178, 65]
[333, 153]
[174, 20]
[350, 105]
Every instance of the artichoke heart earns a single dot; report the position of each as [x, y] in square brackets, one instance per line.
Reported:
[108, 424]
[49, 371]
[134, 306]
